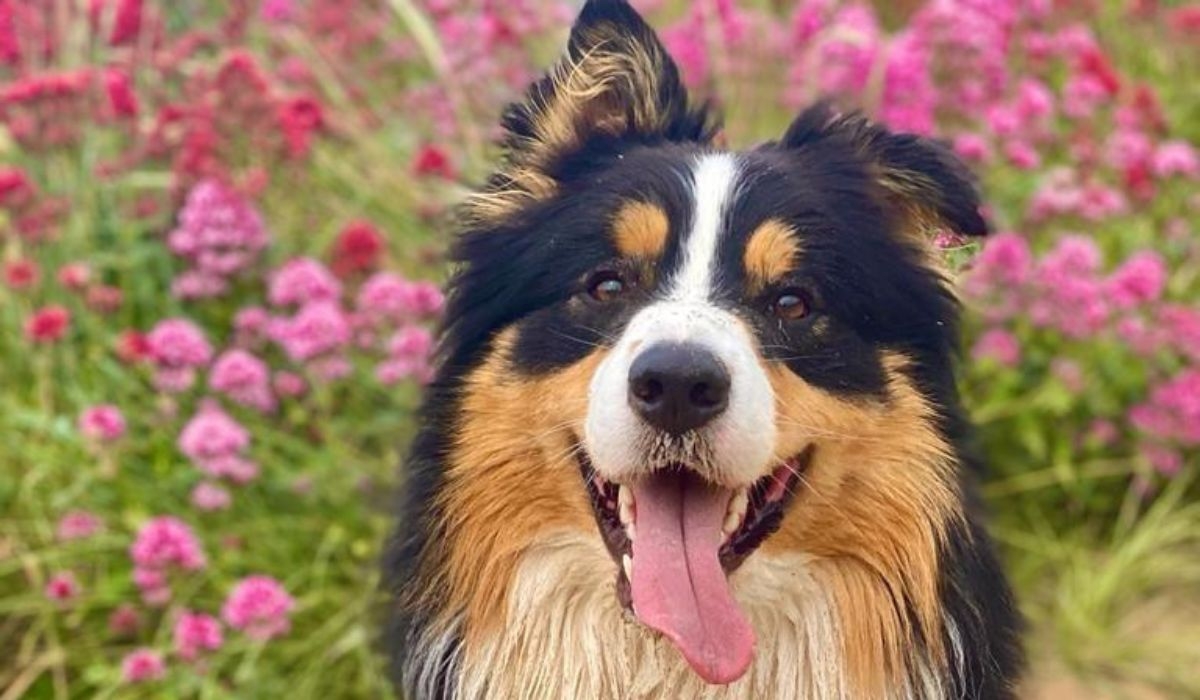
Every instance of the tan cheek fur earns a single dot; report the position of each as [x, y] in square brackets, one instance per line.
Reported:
[512, 476]
[872, 507]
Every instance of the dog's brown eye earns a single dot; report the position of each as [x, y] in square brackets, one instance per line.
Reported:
[605, 286]
[790, 305]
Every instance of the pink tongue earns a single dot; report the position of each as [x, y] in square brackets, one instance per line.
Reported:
[678, 585]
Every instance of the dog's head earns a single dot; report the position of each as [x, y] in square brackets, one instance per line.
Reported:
[695, 354]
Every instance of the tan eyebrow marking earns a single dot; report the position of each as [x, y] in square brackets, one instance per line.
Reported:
[771, 253]
[640, 230]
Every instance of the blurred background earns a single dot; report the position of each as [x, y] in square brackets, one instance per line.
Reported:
[222, 228]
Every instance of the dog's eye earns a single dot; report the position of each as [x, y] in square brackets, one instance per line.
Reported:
[605, 285]
[790, 304]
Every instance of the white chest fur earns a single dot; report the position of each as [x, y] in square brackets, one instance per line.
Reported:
[568, 637]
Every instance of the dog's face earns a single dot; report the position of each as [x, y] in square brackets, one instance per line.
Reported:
[695, 354]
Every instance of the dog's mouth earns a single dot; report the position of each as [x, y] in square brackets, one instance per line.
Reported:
[676, 538]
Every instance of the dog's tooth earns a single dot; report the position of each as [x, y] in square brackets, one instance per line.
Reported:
[736, 511]
[739, 502]
[625, 505]
[629, 531]
[732, 520]
[627, 565]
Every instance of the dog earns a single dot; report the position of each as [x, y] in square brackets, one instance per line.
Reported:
[694, 430]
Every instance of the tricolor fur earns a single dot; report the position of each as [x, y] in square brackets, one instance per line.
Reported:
[801, 271]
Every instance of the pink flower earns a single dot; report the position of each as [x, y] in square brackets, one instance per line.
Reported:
[127, 22]
[124, 621]
[411, 342]
[62, 587]
[1176, 158]
[389, 297]
[178, 343]
[909, 95]
[74, 275]
[21, 274]
[408, 356]
[686, 45]
[1073, 256]
[103, 423]
[220, 234]
[236, 468]
[174, 380]
[427, 299]
[1022, 155]
[1005, 260]
[198, 284]
[132, 347]
[167, 542]
[1164, 460]
[289, 384]
[258, 606]
[1082, 95]
[142, 665]
[149, 578]
[278, 11]
[209, 496]
[196, 633]
[214, 441]
[251, 322]
[78, 525]
[303, 281]
[972, 147]
[1172, 411]
[299, 118]
[48, 324]
[432, 161]
[1181, 327]
[122, 99]
[1099, 202]
[357, 248]
[244, 378]
[1034, 100]
[318, 328]
[1138, 281]
[999, 345]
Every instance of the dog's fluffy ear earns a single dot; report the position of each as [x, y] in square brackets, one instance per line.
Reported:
[923, 184]
[615, 80]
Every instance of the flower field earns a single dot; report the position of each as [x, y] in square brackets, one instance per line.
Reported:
[221, 235]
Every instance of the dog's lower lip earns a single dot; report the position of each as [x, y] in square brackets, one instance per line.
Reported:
[766, 503]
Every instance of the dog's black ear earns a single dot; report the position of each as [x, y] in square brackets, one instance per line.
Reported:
[616, 80]
[922, 182]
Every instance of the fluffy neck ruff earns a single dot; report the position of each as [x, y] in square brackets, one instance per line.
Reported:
[567, 636]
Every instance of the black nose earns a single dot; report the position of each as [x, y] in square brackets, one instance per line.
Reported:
[678, 387]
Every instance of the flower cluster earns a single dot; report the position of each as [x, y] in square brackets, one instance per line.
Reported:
[164, 545]
[216, 444]
[219, 235]
[178, 348]
[260, 607]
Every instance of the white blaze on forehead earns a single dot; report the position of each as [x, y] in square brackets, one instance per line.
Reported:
[714, 182]
[741, 440]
